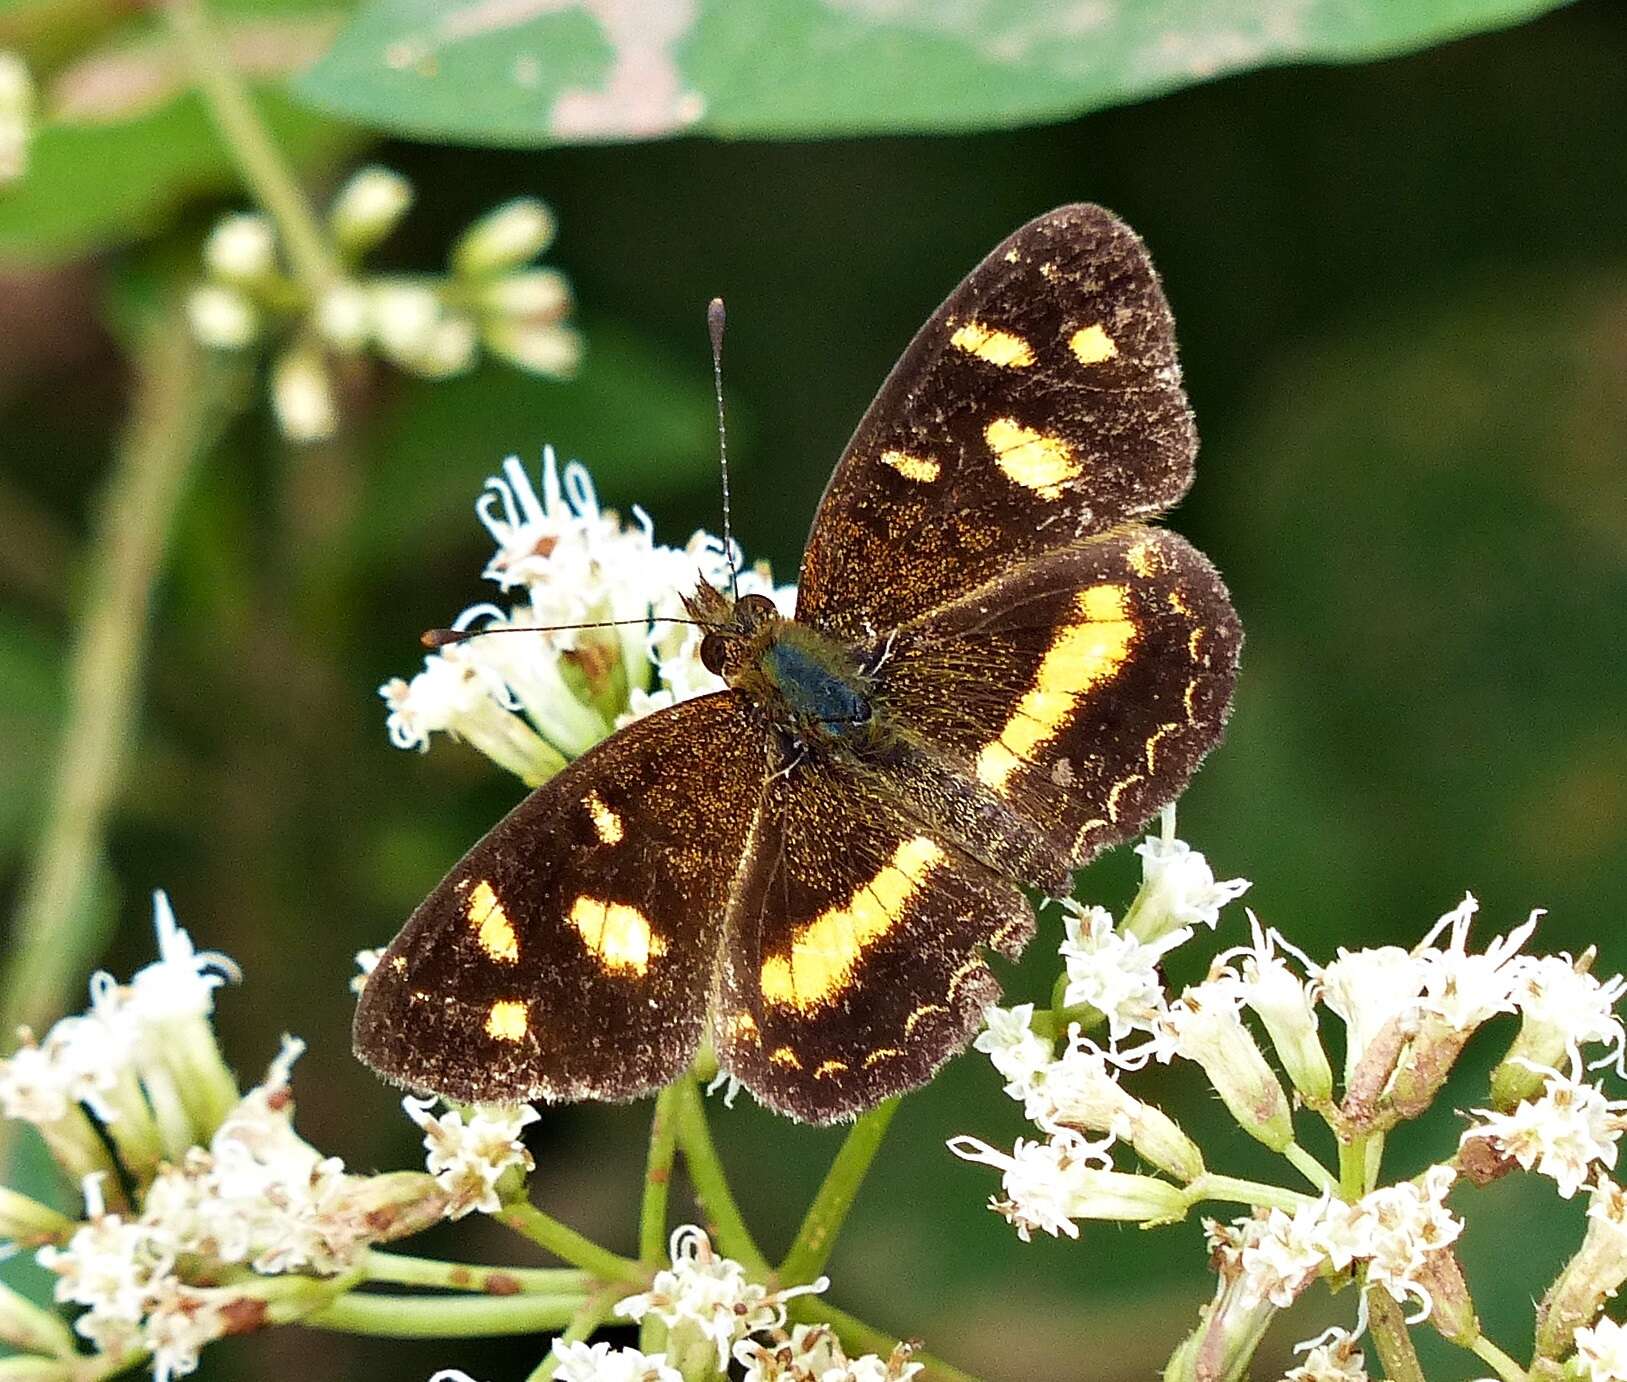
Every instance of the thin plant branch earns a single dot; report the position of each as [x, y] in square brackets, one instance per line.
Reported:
[712, 1185]
[816, 1238]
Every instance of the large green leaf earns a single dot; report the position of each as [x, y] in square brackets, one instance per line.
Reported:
[578, 71]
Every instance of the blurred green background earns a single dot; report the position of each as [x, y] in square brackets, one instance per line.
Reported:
[1401, 291]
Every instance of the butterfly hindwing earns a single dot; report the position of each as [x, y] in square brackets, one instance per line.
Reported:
[1041, 404]
[570, 953]
[851, 967]
[1081, 690]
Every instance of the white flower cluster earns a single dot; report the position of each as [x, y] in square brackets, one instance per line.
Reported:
[18, 99]
[469, 1155]
[1407, 1014]
[427, 325]
[532, 700]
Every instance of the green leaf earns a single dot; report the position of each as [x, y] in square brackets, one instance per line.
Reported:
[564, 72]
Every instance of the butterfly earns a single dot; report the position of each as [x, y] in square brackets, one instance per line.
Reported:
[997, 668]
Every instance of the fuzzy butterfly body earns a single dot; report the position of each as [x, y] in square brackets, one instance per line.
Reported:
[997, 668]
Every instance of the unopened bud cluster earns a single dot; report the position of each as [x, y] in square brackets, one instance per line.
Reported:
[17, 102]
[433, 325]
[1252, 1026]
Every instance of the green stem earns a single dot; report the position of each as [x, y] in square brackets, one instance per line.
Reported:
[445, 1317]
[1232, 1189]
[652, 1213]
[858, 1337]
[569, 1245]
[1390, 1337]
[1353, 1169]
[811, 1248]
[180, 402]
[243, 130]
[1312, 1169]
[733, 1238]
[1504, 1366]
[398, 1269]
[589, 1317]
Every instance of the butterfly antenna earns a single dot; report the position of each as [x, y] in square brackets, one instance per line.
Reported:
[443, 638]
[714, 328]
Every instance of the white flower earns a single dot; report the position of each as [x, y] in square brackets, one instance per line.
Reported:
[221, 317]
[1369, 989]
[1464, 990]
[1602, 1348]
[302, 396]
[1562, 1134]
[1013, 1047]
[1400, 1226]
[1113, 972]
[1178, 888]
[366, 962]
[812, 1353]
[183, 980]
[709, 1296]
[368, 207]
[584, 1362]
[1284, 1004]
[1553, 993]
[241, 248]
[18, 99]
[469, 1158]
[1333, 1356]
[1282, 1253]
[504, 238]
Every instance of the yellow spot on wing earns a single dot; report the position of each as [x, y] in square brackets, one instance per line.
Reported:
[493, 931]
[1091, 345]
[1034, 460]
[824, 950]
[1143, 557]
[831, 1067]
[784, 1055]
[925, 1010]
[922, 468]
[881, 1053]
[1080, 657]
[618, 935]
[606, 823]
[505, 1020]
[990, 344]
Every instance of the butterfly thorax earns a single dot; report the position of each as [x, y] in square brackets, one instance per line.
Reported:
[806, 683]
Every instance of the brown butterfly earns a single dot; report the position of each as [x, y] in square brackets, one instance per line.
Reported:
[997, 668]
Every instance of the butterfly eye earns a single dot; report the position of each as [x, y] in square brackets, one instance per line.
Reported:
[751, 610]
[714, 652]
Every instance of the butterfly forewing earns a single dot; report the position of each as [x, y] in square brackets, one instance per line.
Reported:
[1080, 690]
[570, 953]
[1041, 404]
[851, 963]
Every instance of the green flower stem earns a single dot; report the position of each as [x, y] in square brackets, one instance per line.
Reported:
[244, 132]
[401, 1270]
[1391, 1339]
[1500, 1363]
[811, 1248]
[445, 1317]
[181, 400]
[569, 1245]
[1054, 1022]
[712, 1186]
[858, 1337]
[589, 1316]
[1312, 1169]
[1211, 1186]
[652, 1213]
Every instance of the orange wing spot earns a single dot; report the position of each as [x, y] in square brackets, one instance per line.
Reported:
[784, 1055]
[1081, 657]
[1091, 344]
[880, 1054]
[921, 1013]
[617, 935]
[831, 1067]
[493, 931]
[922, 468]
[1035, 460]
[1143, 557]
[606, 823]
[992, 345]
[506, 1020]
[824, 951]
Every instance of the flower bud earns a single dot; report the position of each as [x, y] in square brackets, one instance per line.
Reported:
[394, 1205]
[1590, 1278]
[1424, 1066]
[302, 396]
[17, 102]
[1561, 1006]
[28, 1368]
[221, 317]
[1229, 1330]
[1208, 1031]
[1451, 1310]
[241, 249]
[554, 351]
[29, 1328]
[504, 238]
[449, 349]
[405, 316]
[29, 1223]
[1279, 998]
[367, 208]
[342, 318]
[532, 295]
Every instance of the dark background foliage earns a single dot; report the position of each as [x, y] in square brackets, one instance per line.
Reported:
[1401, 290]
